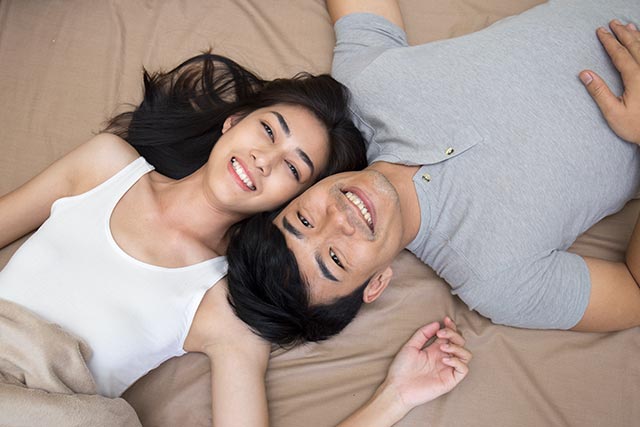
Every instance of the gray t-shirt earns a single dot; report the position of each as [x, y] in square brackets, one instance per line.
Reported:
[517, 159]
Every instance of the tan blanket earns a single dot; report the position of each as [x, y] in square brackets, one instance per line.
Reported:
[44, 379]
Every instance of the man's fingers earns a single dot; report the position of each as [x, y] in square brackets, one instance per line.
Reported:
[452, 336]
[460, 369]
[457, 351]
[608, 103]
[629, 37]
[450, 323]
[422, 335]
[620, 56]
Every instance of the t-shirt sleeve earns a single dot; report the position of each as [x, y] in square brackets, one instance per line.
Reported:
[361, 38]
[551, 292]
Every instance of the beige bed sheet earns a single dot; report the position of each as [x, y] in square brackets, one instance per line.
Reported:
[65, 66]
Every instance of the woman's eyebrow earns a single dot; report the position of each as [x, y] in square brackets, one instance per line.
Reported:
[285, 128]
[283, 123]
[306, 159]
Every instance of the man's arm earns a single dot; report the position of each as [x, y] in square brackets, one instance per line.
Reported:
[614, 302]
[388, 9]
[417, 375]
[621, 112]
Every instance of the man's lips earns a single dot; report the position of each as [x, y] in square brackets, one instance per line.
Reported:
[242, 173]
[362, 204]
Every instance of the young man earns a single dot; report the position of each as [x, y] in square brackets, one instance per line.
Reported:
[488, 160]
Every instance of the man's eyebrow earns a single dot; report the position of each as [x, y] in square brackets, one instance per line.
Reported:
[290, 228]
[323, 267]
[298, 235]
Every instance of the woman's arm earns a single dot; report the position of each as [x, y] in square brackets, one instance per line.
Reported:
[239, 360]
[238, 390]
[388, 9]
[26, 208]
[417, 375]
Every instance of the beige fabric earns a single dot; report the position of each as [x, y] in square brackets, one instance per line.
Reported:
[67, 65]
[44, 379]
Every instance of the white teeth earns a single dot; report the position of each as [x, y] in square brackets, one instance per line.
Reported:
[242, 174]
[357, 201]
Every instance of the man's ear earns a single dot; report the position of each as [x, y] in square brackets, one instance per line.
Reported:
[377, 285]
[230, 122]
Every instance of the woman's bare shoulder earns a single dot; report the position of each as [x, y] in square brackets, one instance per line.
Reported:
[108, 150]
[100, 158]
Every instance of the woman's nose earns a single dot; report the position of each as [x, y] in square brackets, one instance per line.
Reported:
[262, 161]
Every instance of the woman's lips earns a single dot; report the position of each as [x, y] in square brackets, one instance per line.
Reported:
[243, 176]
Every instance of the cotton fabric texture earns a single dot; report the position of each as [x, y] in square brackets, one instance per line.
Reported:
[44, 378]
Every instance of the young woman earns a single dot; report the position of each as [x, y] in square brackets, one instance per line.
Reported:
[126, 257]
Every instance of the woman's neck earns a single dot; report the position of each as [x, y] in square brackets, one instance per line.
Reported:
[186, 205]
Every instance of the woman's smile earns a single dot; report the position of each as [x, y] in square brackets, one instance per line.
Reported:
[241, 174]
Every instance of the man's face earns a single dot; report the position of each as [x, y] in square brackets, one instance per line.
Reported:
[344, 230]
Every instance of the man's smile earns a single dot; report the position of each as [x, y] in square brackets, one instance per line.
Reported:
[363, 207]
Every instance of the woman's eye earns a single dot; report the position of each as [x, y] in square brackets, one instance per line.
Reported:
[294, 171]
[304, 221]
[335, 258]
[268, 130]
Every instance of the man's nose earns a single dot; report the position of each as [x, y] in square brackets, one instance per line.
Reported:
[338, 220]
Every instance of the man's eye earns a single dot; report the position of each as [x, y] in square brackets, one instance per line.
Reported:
[335, 258]
[304, 221]
[268, 130]
[294, 171]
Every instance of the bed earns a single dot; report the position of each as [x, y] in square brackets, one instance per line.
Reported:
[67, 65]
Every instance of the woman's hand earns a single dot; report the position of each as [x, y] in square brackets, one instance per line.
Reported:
[621, 112]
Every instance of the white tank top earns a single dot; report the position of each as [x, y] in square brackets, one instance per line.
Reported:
[133, 315]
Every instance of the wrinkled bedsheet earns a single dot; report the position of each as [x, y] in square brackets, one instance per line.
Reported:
[67, 65]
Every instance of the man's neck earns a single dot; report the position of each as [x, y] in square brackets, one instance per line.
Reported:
[401, 177]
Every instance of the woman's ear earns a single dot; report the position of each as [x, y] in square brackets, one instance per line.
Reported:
[377, 285]
[230, 122]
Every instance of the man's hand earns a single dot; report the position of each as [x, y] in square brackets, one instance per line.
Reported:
[621, 112]
[419, 375]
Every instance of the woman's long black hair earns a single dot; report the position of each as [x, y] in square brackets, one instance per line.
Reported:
[183, 111]
[175, 127]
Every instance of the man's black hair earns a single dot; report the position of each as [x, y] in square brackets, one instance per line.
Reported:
[267, 291]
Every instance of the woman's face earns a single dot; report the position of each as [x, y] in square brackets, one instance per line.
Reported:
[267, 158]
